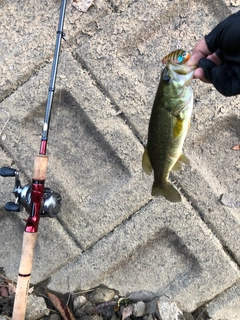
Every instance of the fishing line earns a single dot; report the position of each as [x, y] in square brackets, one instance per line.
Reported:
[62, 60]
[202, 312]
[178, 25]
[6, 122]
[56, 135]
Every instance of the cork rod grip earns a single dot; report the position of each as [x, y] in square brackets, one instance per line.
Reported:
[25, 269]
[40, 167]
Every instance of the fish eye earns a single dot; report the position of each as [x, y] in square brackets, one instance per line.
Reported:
[182, 57]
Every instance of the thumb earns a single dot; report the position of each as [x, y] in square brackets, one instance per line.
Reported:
[200, 51]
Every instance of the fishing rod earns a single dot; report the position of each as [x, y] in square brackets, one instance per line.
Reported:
[35, 197]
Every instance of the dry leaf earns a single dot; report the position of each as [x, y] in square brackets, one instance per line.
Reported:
[11, 288]
[30, 290]
[3, 290]
[127, 312]
[6, 279]
[61, 306]
[236, 147]
[9, 284]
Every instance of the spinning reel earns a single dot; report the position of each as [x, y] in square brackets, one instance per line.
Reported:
[51, 201]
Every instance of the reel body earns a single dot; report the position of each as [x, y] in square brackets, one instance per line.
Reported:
[50, 203]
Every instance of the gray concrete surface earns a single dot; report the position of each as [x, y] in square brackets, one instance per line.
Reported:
[110, 230]
[226, 305]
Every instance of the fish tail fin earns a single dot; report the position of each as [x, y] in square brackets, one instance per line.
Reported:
[146, 163]
[167, 190]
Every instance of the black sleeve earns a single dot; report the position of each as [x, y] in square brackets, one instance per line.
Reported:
[226, 37]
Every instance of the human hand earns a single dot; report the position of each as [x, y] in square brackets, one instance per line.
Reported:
[201, 51]
[218, 56]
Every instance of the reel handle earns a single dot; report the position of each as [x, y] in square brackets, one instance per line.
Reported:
[12, 206]
[7, 172]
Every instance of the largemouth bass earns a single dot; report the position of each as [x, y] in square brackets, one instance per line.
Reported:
[169, 123]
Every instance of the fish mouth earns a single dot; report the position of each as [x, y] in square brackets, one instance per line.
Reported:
[182, 69]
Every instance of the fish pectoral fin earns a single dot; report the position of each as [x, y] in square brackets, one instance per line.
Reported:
[177, 167]
[168, 191]
[184, 159]
[146, 163]
[178, 127]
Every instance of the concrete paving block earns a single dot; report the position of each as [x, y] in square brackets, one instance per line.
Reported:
[95, 160]
[215, 125]
[226, 305]
[11, 225]
[121, 5]
[132, 67]
[128, 65]
[29, 30]
[233, 5]
[48, 256]
[53, 249]
[214, 169]
[12, 229]
[164, 248]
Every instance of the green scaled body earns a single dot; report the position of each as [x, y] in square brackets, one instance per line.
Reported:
[168, 126]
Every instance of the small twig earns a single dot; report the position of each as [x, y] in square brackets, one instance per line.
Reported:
[69, 296]
[83, 291]
[7, 279]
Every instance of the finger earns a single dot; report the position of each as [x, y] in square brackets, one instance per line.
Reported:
[199, 74]
[214, 57]
[200, 51]
[204, 72]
